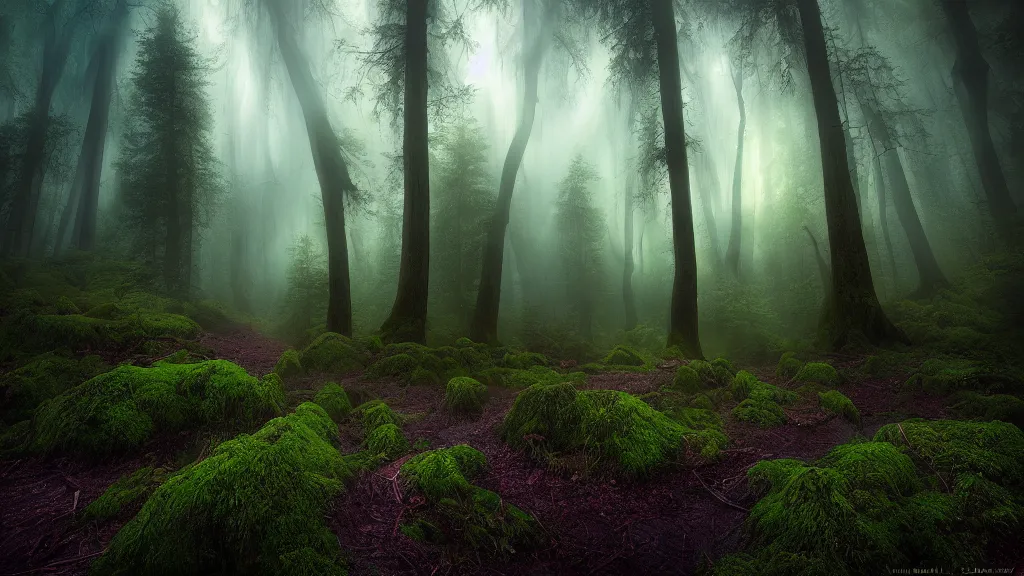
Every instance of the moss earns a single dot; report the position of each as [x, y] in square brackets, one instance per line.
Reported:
[604, 425]
[765, 414]
[397, 365]
[289, 364]
[119, 410]
[686, 380]
[76, 332]
[723, 364]
[1003, 407]
[874, 466]
[788, 367]
[332, 352]
[592, 368]
[760, 401]
[41, 378]
[742, 384]
[127, 492]
[496, 376]
[540, 375]
[820, 373]
[464, 395]
[623, 356]
[464, 342]
[525, 360]
[949, 375]
[13, 437]
[445, 472]
[702, 402]
[423, 377]
[838, 404]
[333, 399]
[371, 343]
[64, 306]
[376, 413]
[711, 376]
[885, 363]
[258, 501]
[386, 441]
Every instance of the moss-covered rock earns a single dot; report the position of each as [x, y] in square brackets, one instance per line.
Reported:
[686, 380]
[333, 399]
[605, 425]
[258, 501]
[63, 305]
[386, 442]
[788, 366]
[42, 378]
[723, 364]
[289, 364]
[819, 373]
[949, 375]
[972, 405]
[76, 332]
[464, 395]
[397, 365]
[623, 356]
[375, 413]
[711, 375]
[121, 409]
[127, 492]
[444, 473]
[540, 375]
[761, 403]
[836, 403]
[525, 360]
[332, 352]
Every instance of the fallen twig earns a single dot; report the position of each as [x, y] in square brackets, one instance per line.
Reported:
[719, 497]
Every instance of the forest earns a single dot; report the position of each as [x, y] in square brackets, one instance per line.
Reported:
[436, 287]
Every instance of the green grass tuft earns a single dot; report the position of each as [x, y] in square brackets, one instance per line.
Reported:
[257, 502]
[464, 395]
[333, 399]
[837, 403]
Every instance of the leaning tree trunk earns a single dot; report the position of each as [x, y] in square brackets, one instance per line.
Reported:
[970, 79]
[683, 315]
[732, 254]
[28, 185]
[854, 304]
[929, 273]
[484, 326]
[331, 171]
[408, 318]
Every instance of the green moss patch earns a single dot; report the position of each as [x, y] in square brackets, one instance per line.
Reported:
[121, 409]
[525, 360]
[604, 426]
[76, 332]
[949, 375]
[42, 378]
[920, 494]
[332, 352]
[837, 403]
[126, 493]
[386, 442]
[712, 375]
[257, 504]
[464, 517]
[376, 413]
[623, 356]
[972, 405]
[788, 366]
[760, 403]
[818, 373]
[464, 395]
[333, 399]
[686, 380]
[289, 364]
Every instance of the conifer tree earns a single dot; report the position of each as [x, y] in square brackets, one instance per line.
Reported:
[580, 236]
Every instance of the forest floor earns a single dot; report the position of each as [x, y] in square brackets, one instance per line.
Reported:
[672, 523]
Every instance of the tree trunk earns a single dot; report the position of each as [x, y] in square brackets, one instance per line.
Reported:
[683, 315]
[172, 242]
[854, 304]
[929, 273]
[628, 300]
[484, 326]
[732, 254]
[883, 218]
[331, 171]
[823, 271]
[29, 181]
[970, 79]
[408, 319]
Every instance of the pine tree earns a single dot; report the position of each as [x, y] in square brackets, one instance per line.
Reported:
[580, 236]
[169, 174]
[305, 302]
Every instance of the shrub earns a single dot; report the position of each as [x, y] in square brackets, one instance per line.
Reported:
[840, 405]
[818, 373]
[288, 365]
[119, 410]
[464, 395]
[258, 501]
[333, 399]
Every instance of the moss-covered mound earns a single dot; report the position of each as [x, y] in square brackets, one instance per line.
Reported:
[623, 356]
[760, 403]
[713, 374]
[464, 395]
[289, 364]
[127, 492]
[788, 366]
[417, 364]
[40, 332]
[972, 405]
[376, 413]
[837, 403]
[818, 373]
[332, 352]
[466, 518]
[333, 399]
[686, 380]
[42, 378]
[524, 360]
[940, 493]
[606, 426]
[386, 442]
[121, 409]
[256, 505]
[949, 375]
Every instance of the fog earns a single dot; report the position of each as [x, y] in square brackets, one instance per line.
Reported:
[268, 195]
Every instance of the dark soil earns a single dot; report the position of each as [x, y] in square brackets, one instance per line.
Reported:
[672, 523]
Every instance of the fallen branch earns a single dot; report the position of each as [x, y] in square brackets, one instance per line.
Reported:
[719, 497]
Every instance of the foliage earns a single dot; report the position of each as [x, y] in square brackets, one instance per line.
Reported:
[333, 399]
[464, 395]
[258, 501]
[121, 409]
[836, 403]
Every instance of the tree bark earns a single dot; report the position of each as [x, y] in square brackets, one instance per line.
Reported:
[408, 318]
[683, 314]
[823, 271]
[970, 79]
[930, 275]
[854, 304]
[331, 171]
[484, 326]
[732, 253]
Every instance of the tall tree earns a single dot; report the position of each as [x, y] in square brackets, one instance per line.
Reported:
[732, 254]
[537, 26]
[970, 82]
[331, 168]
[408, 318]
[580, 231]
